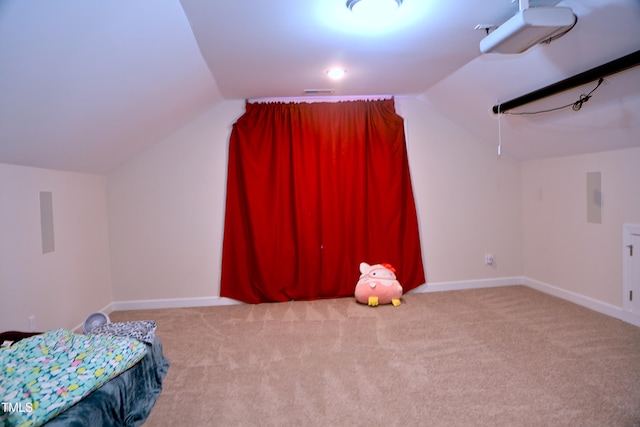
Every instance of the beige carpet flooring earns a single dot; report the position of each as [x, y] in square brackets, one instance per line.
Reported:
[507, 356]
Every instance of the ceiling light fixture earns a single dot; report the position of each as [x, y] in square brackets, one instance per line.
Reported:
[336, 73]
[373, 6]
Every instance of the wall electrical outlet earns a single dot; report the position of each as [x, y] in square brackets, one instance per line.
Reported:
[32, 323]
[488, 259]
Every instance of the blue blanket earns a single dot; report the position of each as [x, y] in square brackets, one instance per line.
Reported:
[61, 378]
[126, 400]
[46, 374]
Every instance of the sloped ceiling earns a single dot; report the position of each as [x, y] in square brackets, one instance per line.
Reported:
[85, 86]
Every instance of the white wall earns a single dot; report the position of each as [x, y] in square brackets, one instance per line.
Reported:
[166, 206]
[166, 210]
[153, 228]
[560, 248]
[61, 287]
[467, 199]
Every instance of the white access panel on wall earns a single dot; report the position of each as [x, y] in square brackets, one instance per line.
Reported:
[46, 222]
[631, 268]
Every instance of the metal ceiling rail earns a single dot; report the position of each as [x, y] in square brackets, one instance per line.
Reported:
[615, 66]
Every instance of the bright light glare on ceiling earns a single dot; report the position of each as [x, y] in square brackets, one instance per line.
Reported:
[346, 17]
[373, 6]
[373, 12]
[336, 73]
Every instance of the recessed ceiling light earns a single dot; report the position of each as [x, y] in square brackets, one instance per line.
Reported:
[336, 73]
[371, 5]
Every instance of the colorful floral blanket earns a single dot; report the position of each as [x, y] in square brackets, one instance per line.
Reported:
[46, 374]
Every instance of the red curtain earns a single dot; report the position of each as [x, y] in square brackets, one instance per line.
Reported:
[313, 189]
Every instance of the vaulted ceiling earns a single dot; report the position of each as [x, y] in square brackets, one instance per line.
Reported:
[86, 85]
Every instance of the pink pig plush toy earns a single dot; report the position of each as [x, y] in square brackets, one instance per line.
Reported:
[378, 285]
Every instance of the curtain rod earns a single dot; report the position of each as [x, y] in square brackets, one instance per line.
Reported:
[615, 66]
[321, 98]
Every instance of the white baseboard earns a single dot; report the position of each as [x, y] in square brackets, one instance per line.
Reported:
[630, 317]
[468, 284]
[172, 303]
[591, 303]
